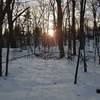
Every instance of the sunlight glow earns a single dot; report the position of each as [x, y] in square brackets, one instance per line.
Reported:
[51, 33]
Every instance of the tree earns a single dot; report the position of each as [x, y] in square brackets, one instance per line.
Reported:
[27, 19]
[73, 26]
[10, 8]
[37, 35]
[52, 3]
[59, 32]
[10, 34]
[3, 9]
[95, 32]
[81, 39]
[1, 22]
[69, 30]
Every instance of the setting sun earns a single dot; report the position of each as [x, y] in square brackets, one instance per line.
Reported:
[51, 33]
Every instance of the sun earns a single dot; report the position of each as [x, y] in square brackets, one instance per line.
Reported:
[51, 33]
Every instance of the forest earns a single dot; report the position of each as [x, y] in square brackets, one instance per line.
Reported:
[50, 32]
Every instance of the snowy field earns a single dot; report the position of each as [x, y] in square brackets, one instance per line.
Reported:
[32, 78]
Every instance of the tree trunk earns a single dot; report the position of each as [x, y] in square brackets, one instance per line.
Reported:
[95, 33]
[0, 48]
[73, 26]
[69, 35]
[59, 29]
[82, 33]
[1, 23]
[82, 39]
[10, 33]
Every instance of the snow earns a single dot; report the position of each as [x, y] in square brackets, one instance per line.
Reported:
[32, 78]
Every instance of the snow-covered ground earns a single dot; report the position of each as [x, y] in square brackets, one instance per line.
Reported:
[39, 79]
[32, 78]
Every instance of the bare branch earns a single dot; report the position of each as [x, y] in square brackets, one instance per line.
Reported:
[20, 14]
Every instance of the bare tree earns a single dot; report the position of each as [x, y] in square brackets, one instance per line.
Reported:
[10, 8]
[59, 28]
[69, 29]
[3, 9]
[1, 23]
[73, 26]
[81, 39]
[95, 32]
[53, 9]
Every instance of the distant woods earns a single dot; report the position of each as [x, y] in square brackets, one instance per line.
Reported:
[25, 24]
